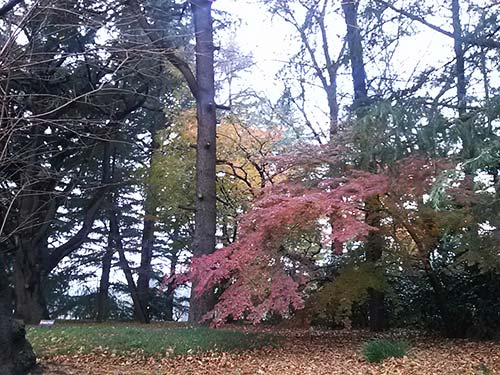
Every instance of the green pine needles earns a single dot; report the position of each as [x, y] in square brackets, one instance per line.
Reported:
[377, 350]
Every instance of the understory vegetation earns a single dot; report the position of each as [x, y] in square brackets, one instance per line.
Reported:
[378, 350]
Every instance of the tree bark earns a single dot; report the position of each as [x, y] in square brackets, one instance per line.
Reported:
[459, 56]
[118, 244]
[374, 250]
[33, 259]
[355, 46]
[103, 298]
[375, 242]
[16, 354]
[205, 217]
[169, 313]
[144, 277]
[28, 282]
[148, 232]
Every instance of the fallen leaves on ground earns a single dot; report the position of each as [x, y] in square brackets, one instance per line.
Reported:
[301, 353]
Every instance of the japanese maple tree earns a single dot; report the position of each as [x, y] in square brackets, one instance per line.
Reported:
[257, 274]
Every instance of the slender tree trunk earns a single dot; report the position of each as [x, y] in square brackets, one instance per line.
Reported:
[375, 240]
[374, 250]
[169, 313]
[459, 56]
[16, 354]
[205, 217]
[148, 236]
[103, 298]
[117, 242]
[144, 277]
[334, 110]
[466, 124]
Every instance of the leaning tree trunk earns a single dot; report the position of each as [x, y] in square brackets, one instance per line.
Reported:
[205, 217]
[16, 354]
[118, 244]
[375, 241]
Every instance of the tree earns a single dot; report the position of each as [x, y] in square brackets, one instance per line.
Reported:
[375, 241]
[17, 356]
[205, 217]
[202, 87]
[320, 58]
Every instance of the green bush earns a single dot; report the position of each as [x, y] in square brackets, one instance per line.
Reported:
[379, 349]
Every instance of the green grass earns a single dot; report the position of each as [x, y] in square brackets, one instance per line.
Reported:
[154, 340]
[379, 349]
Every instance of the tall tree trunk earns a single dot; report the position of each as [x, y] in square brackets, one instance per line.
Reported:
[103, 298]
[169, 313]
[466, 124]
[459, 57]
[148, 232]
[355, 46]
[148, 236]
[16, 355]
[333, 110]
[205, 217]
[28, 272]
[375, 241]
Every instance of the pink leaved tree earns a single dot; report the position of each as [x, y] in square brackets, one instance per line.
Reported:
[252, 274]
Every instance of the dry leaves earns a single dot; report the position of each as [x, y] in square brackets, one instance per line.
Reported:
[301, 353]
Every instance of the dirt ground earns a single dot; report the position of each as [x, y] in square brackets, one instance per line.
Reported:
[300, 353]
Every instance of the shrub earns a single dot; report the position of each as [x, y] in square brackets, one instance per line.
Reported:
[379, 349]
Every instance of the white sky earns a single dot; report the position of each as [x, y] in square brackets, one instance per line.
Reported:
[271, 41]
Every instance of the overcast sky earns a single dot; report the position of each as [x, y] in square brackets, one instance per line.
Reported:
[271, 42]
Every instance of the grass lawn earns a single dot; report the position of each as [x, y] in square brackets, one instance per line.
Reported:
[157, 340]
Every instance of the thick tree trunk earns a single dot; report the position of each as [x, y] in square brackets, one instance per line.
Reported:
[16, 354]
[205, 217]
[355, 46]
[34, 260]
[375, 241]
[30, 304]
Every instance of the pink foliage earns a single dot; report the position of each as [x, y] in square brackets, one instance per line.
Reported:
[252, 272]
